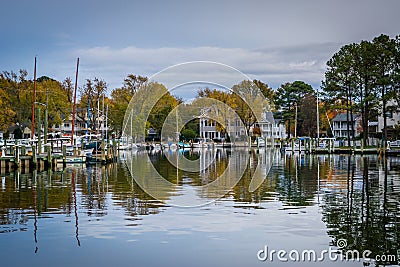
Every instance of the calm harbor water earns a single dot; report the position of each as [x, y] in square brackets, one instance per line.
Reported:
[100, 216]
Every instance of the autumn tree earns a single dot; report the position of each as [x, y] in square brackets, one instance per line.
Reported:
[92, 94]
[57, 100]
[120, 98]
[16, 97]
[8, 114]
[250, 103]
[226, 102]
[267, 91]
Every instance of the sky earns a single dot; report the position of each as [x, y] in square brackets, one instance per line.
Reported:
[274, 41]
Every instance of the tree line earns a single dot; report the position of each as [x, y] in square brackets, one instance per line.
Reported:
[361, 79]
[364, 78]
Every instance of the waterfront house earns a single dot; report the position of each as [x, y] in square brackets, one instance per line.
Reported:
[339, 125]
[208, 128]
[269, 127]
[82, 125]
[392, 119]
[272, 128]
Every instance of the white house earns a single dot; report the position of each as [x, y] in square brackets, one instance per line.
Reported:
[208, 129]
[339, 125]
[272, 128]
[392, 119]
[81, 125]
[269, 126]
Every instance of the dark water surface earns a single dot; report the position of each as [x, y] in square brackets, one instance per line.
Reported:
[99, 216]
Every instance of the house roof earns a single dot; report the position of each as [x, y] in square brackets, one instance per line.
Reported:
[343, 117]
[269, 117]
[27, 130]
[152, 131]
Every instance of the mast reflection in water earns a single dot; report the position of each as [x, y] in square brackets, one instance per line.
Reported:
[99, 216]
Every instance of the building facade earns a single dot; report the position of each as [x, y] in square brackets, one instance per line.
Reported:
[272, 128]
[81, 126]
[339, 125]
[392, 119]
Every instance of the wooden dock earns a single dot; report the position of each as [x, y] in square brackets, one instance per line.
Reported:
[311, 146]
[15, 156]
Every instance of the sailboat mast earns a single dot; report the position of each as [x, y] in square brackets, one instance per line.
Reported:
[102, 121]
[74, 107]
[98, 116]
[88, 119]
[295, 124]
[177, 128]
[107, 123]
[317, 117]
[33, 102]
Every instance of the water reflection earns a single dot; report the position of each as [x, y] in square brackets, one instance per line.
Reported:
[363, 204]
[357, 197]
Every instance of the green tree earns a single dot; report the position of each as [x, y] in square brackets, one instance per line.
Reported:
[364, 77]
[307, 116]
[161, 110]
[7, 111]
[366, 71]
[16, 96]
[386, 63]
[340, 83]
[120, 98]
[288, 96]
[57, 100]
[188, 134]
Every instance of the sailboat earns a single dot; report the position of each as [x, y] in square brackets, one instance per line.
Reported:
[72, 159]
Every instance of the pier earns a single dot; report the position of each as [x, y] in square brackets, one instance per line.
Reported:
[327, 146]
[14, 156]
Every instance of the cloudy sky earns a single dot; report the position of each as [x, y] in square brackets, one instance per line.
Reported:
[275, 41]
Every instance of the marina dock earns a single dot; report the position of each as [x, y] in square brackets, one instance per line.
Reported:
[16, 156]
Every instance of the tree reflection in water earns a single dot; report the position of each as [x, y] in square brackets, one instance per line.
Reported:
[366, 211]
[358, 196]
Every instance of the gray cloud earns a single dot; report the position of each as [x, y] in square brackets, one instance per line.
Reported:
[273, 65]
[275, 41]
